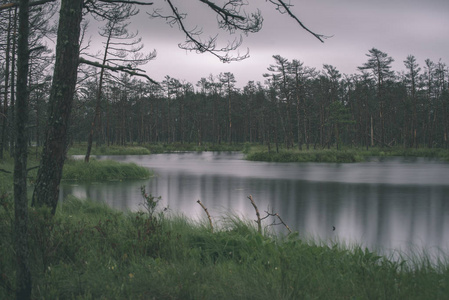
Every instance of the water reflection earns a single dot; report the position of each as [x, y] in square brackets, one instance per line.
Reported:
[389, 204]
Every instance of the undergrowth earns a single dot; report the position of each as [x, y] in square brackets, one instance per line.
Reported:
[90, 251]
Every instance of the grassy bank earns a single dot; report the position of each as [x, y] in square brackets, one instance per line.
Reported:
[78, 170]
[102, 170]
[346, 155]
[80, 149]
[175, 147]
[89, 251]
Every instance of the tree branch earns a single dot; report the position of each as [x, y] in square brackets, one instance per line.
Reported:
[193, 43]
[232, 16]
[127, 2]
[127, 70]
[208, 215]
[34, 3]
[273, 214]
[258, 221]
[221, 11]
[283, 8]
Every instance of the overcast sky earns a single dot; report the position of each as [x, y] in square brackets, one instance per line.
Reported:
[397, 27]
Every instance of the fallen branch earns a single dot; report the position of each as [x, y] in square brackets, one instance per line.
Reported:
[32, 168]
[208, 215]
[280, 219]
[259, 224]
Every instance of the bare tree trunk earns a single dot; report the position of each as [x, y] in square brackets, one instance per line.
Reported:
[98, 102]
[12, 87]
[6, 86]
[23, 285]
[49, 175]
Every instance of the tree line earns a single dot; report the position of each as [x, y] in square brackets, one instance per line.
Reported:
[296, 107]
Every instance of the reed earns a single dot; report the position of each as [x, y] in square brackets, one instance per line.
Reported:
[90, 251]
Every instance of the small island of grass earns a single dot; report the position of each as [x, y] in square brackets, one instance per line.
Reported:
[100, 170]
[346, 155]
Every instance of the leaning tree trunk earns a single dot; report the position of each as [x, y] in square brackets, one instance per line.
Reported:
[62, 92]
[23, 275]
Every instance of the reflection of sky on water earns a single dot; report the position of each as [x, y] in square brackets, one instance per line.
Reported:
[391, 204]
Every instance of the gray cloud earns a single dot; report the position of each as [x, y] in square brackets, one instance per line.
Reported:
[398, 27]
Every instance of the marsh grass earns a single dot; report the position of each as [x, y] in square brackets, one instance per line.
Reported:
[178, 147]
[103, 170]
[90, 251]
[294, 155]
[80, 149]
[345, 155]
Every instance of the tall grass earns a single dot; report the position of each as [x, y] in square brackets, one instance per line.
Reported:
[345, 155]
[80, 149]
[176, 147]
[103, 170]
[90, 251]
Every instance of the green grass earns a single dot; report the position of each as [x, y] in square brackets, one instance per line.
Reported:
[102, 170]
[345, 155]
[80, 149]
[176, 147]
[90, 251]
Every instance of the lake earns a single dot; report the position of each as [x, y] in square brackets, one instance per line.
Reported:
[384, 204]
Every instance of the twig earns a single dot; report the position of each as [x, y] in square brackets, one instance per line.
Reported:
[208, 215]
[280, 219]
[259, 225]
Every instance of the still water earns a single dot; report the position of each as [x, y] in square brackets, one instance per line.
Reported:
[383, 204]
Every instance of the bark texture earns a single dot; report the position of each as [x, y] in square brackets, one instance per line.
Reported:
[62, 92]
[23, 275]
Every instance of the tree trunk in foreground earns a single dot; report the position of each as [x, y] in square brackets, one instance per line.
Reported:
[62, 92]
[23, 284]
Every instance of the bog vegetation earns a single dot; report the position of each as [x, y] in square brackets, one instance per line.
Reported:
[90, 251]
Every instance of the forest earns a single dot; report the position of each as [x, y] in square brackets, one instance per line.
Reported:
[296, 106]
[56, 91]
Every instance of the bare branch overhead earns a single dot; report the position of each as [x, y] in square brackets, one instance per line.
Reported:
[126, 69]
[127, 2]
[283, 8]
[16, 4]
